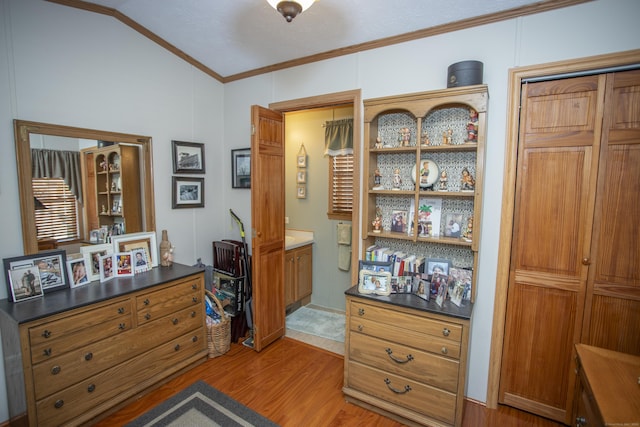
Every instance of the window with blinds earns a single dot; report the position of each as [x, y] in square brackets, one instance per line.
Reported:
[340, 187]
[56, 209]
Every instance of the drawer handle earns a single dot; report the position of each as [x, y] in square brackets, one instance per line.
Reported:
[395, 359]
[194, 299]
[360, 328]
[194, 286]
[91, 388]
[47, 352]
[46, 333]
[59, 404]
[195, 338]
[446, 332]
[147, 316]
[174, 321]
[177, 347]
[88, 356]
[193, 314]
[407, 388]
[444, 350]
[122, 326]
[121, 310]
[146, 301]
[581, 421]
[56, 370]
[361, 312]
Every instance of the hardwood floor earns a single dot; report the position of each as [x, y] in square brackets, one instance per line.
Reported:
[295, 384]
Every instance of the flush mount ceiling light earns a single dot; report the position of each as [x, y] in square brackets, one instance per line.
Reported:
[290, 9]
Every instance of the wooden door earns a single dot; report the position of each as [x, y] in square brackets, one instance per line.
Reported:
[612, 318]
[267, 217]
[555, 196]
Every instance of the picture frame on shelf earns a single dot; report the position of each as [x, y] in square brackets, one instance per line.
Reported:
[438, 266]
[187, 192]
[401, 284]
[144, 240]
[241, 168]
[376, 266]
[106, 268]
[374, 282]
[78, 272]
[422, 286]
[459, 285]
[49, 267]
[140, 260]
[123, 262]
[23, 283]
[188, 157]
[398, 221]
[92, 254]
[453, 225]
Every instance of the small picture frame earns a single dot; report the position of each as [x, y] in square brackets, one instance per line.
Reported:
[438, 266]
[187, 192]
[401, 284]
[302, 160]
[144, 240]
[92, 254]
[301, 192]
[421, 286]
[141, 261]
[301, 177]
[106, 268]
[24, 284]
[188, 157]
[241, 168]
[49, 267]
[78, 272]
[123, 263]
[453, 225]
[374, 282]
[399, 221]
[376, 266]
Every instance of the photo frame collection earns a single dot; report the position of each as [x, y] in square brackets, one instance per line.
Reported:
[301, 173]
[188, 158]
[438, 280]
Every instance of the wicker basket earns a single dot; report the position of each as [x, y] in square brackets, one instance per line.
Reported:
[218, 334]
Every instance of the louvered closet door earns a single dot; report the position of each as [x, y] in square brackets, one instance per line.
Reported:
[555, 197]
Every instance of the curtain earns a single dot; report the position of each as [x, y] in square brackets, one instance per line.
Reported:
[58, 164]
[338, 137]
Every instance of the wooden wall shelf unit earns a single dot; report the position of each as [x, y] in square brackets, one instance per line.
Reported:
[73, 355]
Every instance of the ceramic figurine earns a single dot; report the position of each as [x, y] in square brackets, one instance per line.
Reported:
[397, 180]
[166, 250]
[378, 142]
[443, 181]
[472, 126]
[377, 222]
[425, 141]
[447, 137]
[405, 137]
[377, 180]
[467, 183]
[468, 232]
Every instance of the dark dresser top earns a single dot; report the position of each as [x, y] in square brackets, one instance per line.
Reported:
[417, 303]
[94, 292]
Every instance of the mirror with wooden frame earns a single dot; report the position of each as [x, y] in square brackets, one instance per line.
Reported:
[91, 213]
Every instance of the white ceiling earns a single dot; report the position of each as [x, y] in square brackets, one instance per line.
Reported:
[236, 36]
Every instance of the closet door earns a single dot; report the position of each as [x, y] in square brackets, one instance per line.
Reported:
[612, 318]
[555, 197]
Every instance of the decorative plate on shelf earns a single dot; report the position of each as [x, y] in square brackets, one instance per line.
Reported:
[429, 173]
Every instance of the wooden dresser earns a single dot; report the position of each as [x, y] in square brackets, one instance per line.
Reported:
[406, 357]
[75, 354]
[609, 388]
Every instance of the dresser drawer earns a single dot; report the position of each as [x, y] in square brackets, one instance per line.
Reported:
[74, 331]
[65, 370]
[423, 325]
[409, 362]
[153, 305]
[431, 401]
[114, 385]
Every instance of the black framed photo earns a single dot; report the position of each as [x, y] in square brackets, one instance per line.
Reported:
[187, 192]
[188, 157]
[241, 168]
[377, 266]
[33, 275]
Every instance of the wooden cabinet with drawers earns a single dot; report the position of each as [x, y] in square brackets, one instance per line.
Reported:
[406, 358]
[74, 354]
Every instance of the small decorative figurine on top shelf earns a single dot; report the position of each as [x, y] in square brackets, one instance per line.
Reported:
[468, 232]
[397, 180]
[377, 222]
[467, 183]
[425, 141]
[114, 186]
[377, 180]
[447, 137]
[472, 126]
[103, 166]
[405, 137]
[443, 181]
[378, 143]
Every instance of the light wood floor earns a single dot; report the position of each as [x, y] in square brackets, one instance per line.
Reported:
[295, 384]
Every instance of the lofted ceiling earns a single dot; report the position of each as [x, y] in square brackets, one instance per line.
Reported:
[234, 39]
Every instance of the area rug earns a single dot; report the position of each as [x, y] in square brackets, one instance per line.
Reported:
[321, 323]
[200, 405]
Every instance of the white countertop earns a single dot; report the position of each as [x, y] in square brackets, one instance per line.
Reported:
[296, 238]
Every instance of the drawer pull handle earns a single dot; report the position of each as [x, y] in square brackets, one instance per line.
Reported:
[194, 286]
[177, 347]
[47, 352]
[581, 421]
[122, 326]
[88, 356]
[59, 404]
[147, 316]
[146, 301]
[407, 388]
[56, 370]
[446, 332]
[360, 328]
[121, 310]
[174, 321]
[195, 338]
[361, 312]
[409, 357]
[444, 350]
[194, 299]
[46, 333]
[91, 388]
[193, 314]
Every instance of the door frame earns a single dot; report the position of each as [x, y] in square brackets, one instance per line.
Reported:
[516, 77]
[353, 97]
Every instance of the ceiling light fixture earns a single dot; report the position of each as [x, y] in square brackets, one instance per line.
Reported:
[290, 9]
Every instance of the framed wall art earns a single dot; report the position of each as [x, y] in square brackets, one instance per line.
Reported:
[33, 275]
[241, 168]
[188, 157]
[145, 241]
[187, 192]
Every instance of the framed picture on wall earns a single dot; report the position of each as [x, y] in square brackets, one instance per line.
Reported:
[241, 168]
[188, 157]
[187, 192]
